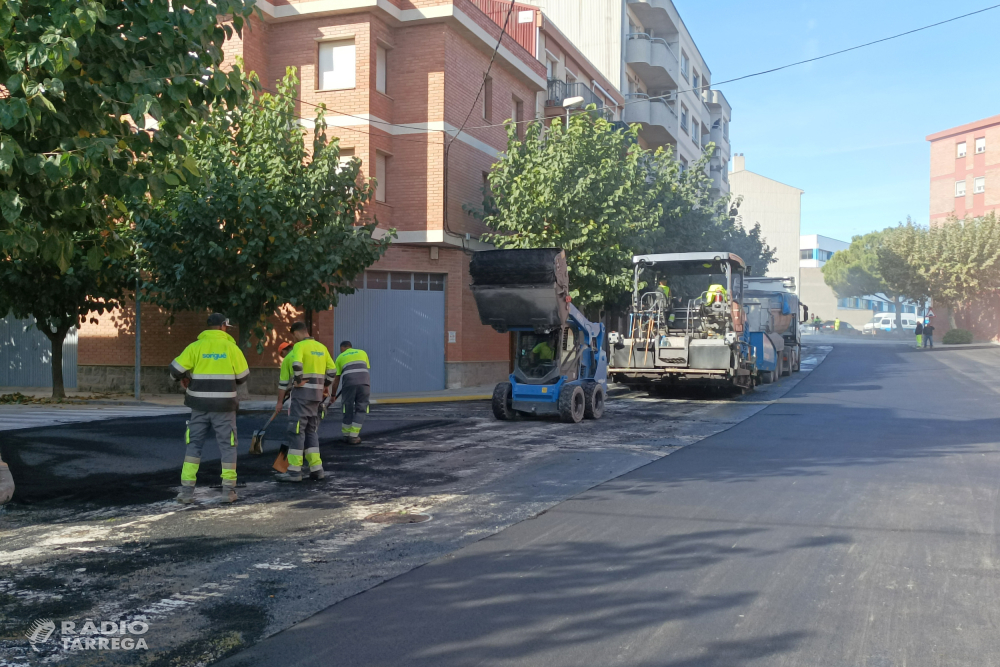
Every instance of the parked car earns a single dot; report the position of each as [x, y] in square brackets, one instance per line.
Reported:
[886, 322]
[846, 329]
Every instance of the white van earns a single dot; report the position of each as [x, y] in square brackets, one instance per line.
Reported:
[887, 322]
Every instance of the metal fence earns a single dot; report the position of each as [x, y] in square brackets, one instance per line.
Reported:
[26, 355]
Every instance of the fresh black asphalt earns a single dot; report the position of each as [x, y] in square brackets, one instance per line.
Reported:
[853, 522]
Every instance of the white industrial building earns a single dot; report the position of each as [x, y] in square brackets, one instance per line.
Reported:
[646, 51]
[777, 208]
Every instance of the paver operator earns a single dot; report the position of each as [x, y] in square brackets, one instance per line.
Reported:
[210, 369]
[354, 380]
[312, 373]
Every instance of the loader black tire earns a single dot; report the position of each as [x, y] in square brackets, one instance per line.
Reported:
[797, 366]
[594, 400]
[572, 403]
[766, 377]
[502, 402]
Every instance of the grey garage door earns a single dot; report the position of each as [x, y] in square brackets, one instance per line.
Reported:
[398, 319]
[26, 355]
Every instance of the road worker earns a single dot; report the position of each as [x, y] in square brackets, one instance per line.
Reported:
[312, 374]
[543, 351]
[667, 305]
[836, 324]
[210, 369]
[716, 293]
[354, 381]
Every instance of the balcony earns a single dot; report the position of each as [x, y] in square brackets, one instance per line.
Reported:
[653, 60]
[559, 91]
[658, 119]
[660, 16]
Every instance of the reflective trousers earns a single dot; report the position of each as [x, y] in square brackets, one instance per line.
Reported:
[223, 424]
[920, 340]
[303, 439]
[355, 402]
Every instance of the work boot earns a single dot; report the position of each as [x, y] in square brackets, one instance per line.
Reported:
[186, 496]
[317, 475]
[288, 477]
[229, 494]
[353, 440]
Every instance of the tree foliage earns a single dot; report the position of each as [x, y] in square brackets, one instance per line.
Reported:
[593, 191]
[77, 73]
[582, 187]
[100, 271]
[269, 224]
[856, 271]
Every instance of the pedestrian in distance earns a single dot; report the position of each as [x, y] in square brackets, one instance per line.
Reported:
[919, 331]
[312, 373]
[929, 335]
[817, 323]
[354, 381]
[836, 324]
[210, 369]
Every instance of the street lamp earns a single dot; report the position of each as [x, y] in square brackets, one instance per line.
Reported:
[572, 103]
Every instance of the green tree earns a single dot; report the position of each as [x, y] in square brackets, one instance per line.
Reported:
[959, 261]
[856, 272]
[270, 223]
[99, 273]
[76, 73]
[585, 188]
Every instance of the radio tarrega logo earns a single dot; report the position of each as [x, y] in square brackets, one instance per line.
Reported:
[40, 632]
[93, 636]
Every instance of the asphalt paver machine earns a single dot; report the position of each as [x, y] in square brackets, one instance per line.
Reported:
[560, 364]
[694, 333]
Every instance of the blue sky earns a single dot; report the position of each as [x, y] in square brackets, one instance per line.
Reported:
[849, 130]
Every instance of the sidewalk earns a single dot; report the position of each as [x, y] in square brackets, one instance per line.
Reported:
[78, 399]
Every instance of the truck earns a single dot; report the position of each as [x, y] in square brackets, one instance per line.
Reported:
[560, 365]
[685, 324]
[772, 312]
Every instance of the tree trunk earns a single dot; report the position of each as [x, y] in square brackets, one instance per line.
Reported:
[243, 390]
[951, 318]
[57, 339]
[899, 313]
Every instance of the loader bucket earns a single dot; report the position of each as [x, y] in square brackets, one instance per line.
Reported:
[521, 288]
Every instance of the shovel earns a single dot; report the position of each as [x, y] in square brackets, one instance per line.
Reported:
[257, 440]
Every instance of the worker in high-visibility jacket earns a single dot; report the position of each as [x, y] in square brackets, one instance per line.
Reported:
[210, 369]
[312, 374]
[354, 379]
[668, 306]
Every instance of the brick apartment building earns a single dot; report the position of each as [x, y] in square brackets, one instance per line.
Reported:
[965, 170]
[398, 78]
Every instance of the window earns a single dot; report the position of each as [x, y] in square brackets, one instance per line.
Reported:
[488, 100]
[980, 145]
[960, 150]
[346, 155]
[336, 65]
[401, 280]
[696, 131]
[376, 280]
[570, 77]
[380, 69]
[960, 188]
[684, 118]
[695, 81]
[979, 185]
[684, 164]
[550, 69]
[684, 65]
[381, 161]
[517, 115]
[806, 254]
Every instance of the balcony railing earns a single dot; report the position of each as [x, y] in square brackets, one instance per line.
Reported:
[654, 40]
[559, 91]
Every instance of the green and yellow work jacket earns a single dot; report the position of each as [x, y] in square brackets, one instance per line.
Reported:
[215, 365]
[313, 365]
[353, 368]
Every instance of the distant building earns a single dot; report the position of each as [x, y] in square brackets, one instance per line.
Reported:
[965, 170]
[815, 251]
[777, 207]
[645, 50]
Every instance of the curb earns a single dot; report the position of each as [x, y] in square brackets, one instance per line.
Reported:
[6, 483]
[431, 399]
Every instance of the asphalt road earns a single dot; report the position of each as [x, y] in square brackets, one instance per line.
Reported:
[852, 522]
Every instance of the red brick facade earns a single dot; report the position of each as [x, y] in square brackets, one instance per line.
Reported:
[434, 67]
